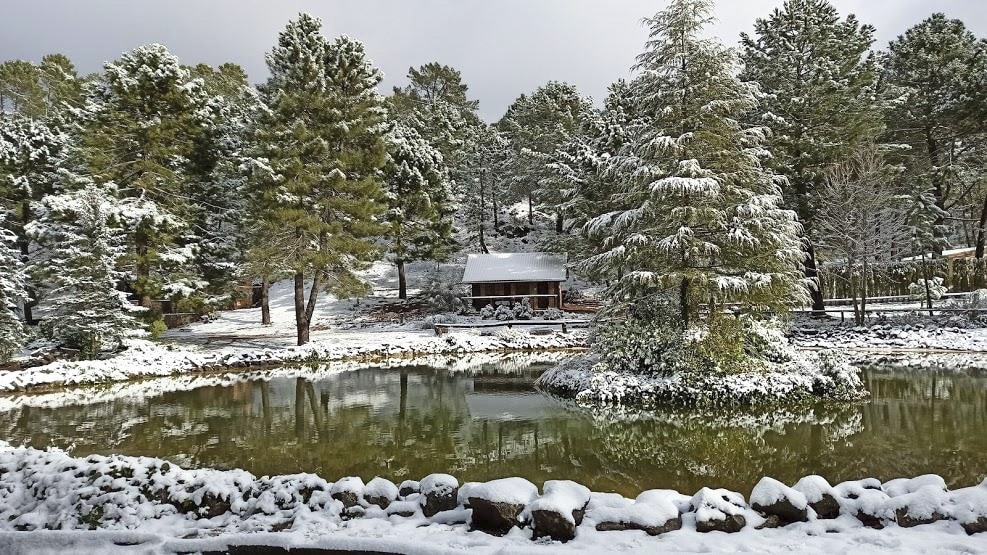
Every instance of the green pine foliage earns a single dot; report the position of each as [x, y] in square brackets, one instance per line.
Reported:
[321, 145]
[13, 293]
[84, 246]
[419, 200]
[705, 222]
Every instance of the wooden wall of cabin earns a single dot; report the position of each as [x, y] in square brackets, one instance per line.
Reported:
[508, 289]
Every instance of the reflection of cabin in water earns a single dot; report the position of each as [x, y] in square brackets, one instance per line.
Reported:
[511, 277]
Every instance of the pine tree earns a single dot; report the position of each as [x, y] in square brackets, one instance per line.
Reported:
[33, 163]
[323, 139]
[537, 126]
[142, 123]
[89, 313]
[818, 79]
[419, 199]
[705, 220]
[218, 166]
[13, 293]
[937, 77]
[482, 187]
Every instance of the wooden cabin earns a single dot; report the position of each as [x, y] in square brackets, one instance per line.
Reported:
[512, 277]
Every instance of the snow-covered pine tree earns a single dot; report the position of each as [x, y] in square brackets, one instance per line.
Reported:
[13, 293]
[219, 208]
[706, 221]
[33, 159]
[937, 79]
[482, 190]
[142, 123]
[84, 247]
[323, 140]
[536, 126]
[419, 215]
[818, 79]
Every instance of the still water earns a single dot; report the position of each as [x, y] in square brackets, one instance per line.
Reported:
[404, 423]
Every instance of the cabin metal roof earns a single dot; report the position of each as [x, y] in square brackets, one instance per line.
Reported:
[514, 266]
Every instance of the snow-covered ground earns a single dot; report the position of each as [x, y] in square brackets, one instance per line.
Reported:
[151, 506]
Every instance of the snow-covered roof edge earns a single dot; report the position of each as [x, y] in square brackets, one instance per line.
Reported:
[514, 266]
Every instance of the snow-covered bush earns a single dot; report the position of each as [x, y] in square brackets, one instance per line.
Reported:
[503, 313]
[487, 312]
[522, 310]
[552, 314]
[649, 341]
[443, 292]
[429, 322]
[936, 289]
[976, 303]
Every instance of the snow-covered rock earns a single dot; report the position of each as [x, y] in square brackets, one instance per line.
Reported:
[498, 504]
[380, 492]
[772, 497]
[438, 493]
[719, 510]
[559, 510]
[821, 496]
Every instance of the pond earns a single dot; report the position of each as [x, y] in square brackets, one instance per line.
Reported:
[406, 422]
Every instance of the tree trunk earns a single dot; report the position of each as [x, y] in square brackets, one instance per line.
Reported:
[496, 216]
[142, 269]
[938, 188]
[402, 281]
[265, 302]
[559, 221]
[981, 230]
[925, 278]
[812, 272]
[863, 293]
[531, 210]
[684, 302]
[301, 323]
[483, 243]
[25, 247]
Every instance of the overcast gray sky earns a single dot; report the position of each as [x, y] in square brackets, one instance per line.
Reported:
[502, 47]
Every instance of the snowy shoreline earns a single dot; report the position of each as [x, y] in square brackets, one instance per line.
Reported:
[160, 507]
[794, 381]
[146, 359]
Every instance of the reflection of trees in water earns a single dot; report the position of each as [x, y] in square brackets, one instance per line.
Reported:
[408, 422]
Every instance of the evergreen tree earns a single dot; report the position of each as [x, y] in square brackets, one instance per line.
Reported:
[536, 127]
[705, 220]
[219, 161]
[323, 139]
[483, 188]
[142, 124]
[818, 80]
[13, 292]
[84, 246]
[419, 199]
[33, 160]
[45, 91]
[937, 77]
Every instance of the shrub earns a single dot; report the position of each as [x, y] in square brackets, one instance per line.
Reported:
[522, 310]
[552, 314]
[936, 289]
[158, 328]
[503, 313]
[487, 312]
[442, 291]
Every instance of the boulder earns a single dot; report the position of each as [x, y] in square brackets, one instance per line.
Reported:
[559, 510]
[654, 511]
[718, 510]
[821, 496]
[773, 498]
[975, 526]
[380, 492]
[498, 504]
[408, 487]
[347, 491]
[770, 521]
[494, 517]
[969, 507]
[438, 493]
[921, 506]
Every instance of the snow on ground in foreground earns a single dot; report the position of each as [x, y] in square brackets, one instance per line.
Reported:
[156, 507]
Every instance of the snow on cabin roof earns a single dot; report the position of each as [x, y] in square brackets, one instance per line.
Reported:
[514, 266]
[962, 252]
